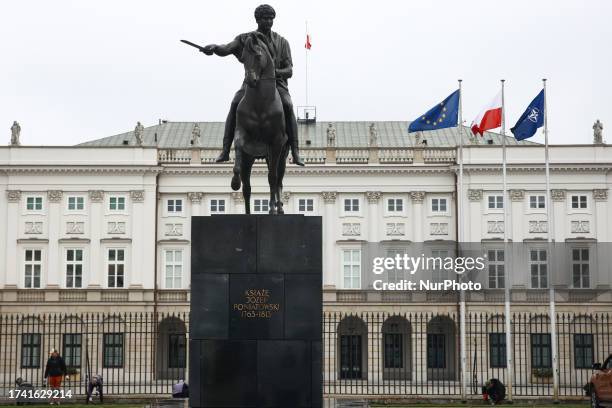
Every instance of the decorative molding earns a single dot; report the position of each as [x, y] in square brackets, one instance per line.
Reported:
[351, 229]
[55, 196]
[417, 196]
[580, 227]
[338, 170]
[438, 228]
[474, 195]
[329, 197]
[373, 196]
[558, 195]
[137, 196]
[536, 227]
[174, 230]
[195, 197]
[286, 196]
[238, 198]
[13, 196]
[116, 227]
[495, 227]
[396, 229]
[35, 227]
[517, 195]
[74, 240]
[96, 196]
[81, 169]
[75, 227]
[600, 194]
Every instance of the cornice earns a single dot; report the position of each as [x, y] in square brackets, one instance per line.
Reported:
[557, 168]
[311, 170]
[79, 169]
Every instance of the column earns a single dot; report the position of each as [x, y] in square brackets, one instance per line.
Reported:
[13, 273]
[600, 227]
[472, 222]
[238, 202]
[373, 214]
[516, 229]
[96, 220]
[559, 207]
[329, 239]
[196, 203]
[138, 236]
[417, 214]
[3, 220]
[54, 257]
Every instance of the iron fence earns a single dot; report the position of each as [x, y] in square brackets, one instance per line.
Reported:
[365, 354]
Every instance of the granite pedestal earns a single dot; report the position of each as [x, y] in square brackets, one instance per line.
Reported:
[256, 306]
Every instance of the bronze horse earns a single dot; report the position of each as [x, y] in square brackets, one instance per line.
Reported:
[260, 124]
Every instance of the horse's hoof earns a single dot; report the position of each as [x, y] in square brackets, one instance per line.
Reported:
[235, 182]
[280, 211]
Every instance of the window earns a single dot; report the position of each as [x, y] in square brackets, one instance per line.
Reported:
[395, 205]
[174, 268]
[394, 353]
[76, 203]
[305, 205]
[439, 274]
[34, 203]
[351, 205]
[177, 350]
[541, 356]
[30, 350]
[217, 205]
[583, 350]
[438, 205]
[436, 350]
[33, 267]
[351, 268]
[580, 268]
[261, 205]
[579, 201]
[496, 269]
[112, 353]
[116, 268]
[496, 202]
[395, 274]
[175, 206]
[116, 203]
[537, 201]
[538, 268]
[497, 350]
[74, 268]
[71, 351]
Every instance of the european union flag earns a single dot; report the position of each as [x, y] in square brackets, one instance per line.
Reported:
[443, 115]
[531, 119]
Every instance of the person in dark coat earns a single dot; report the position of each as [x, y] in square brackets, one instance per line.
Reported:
[55, 370]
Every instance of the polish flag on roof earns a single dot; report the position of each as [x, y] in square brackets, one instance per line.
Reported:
[490, 117]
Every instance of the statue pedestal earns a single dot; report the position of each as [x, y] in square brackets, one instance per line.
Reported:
[256, 308]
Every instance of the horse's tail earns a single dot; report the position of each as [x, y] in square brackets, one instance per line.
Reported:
[235, 181]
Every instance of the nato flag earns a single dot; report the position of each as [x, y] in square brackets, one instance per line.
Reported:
[441, 116]
[531, 119]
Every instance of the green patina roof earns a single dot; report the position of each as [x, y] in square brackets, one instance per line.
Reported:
[348, 134]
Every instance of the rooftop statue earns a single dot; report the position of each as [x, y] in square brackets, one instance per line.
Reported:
[15, 133]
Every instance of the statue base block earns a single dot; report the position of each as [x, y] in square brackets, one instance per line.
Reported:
[256, 309]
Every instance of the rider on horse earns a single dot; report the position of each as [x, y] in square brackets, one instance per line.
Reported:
[279, 48]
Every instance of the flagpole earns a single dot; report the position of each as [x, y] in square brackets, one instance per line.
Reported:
[306, 51]
[507, 294]
[460, 236]
[551, 291]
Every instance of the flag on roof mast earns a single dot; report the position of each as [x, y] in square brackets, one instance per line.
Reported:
[490, 117]
[443, 115]
[307, 45]
[531, 119]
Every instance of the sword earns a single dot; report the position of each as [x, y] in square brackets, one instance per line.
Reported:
[193, 45]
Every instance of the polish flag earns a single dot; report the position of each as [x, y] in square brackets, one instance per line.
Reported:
[308, 44]
[490, 117]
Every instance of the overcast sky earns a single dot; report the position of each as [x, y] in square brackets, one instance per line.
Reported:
[74, 71]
